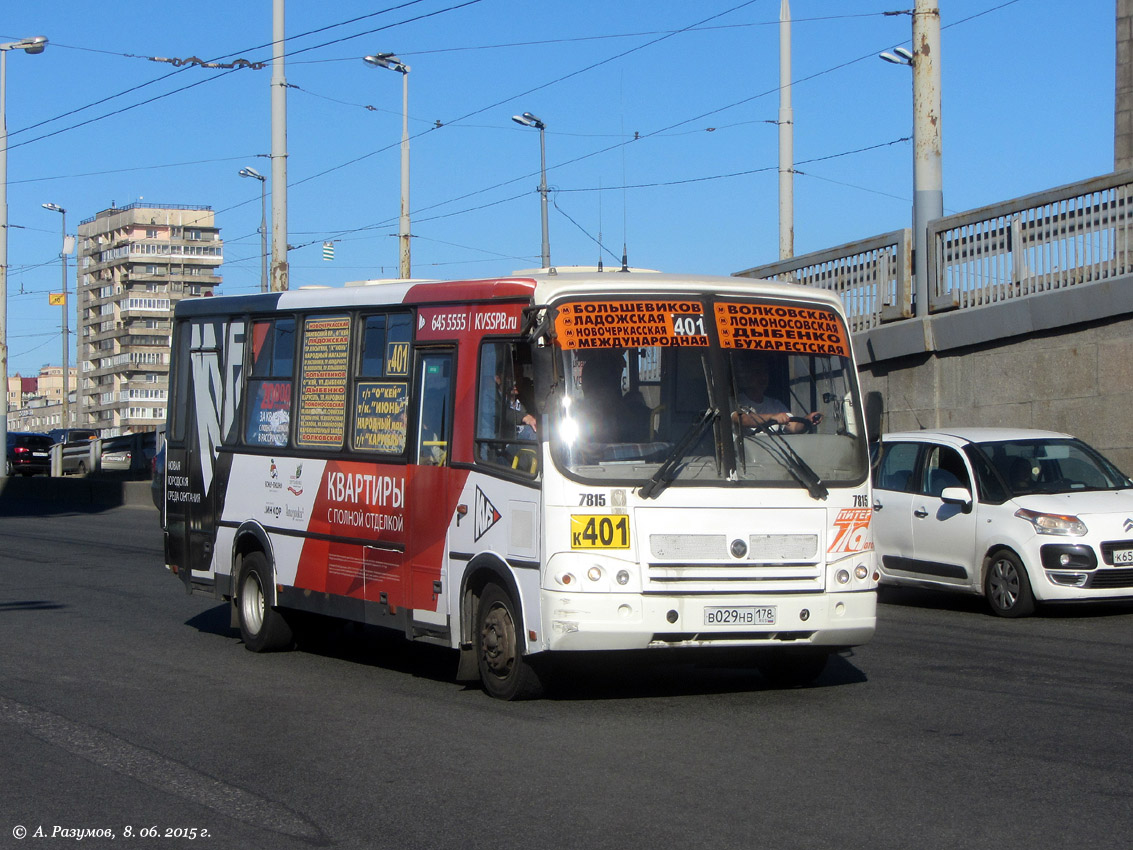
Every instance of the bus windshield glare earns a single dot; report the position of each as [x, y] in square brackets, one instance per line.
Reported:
[769, 399]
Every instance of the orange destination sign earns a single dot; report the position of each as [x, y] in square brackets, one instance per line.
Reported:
[778, 327]
[630, 324]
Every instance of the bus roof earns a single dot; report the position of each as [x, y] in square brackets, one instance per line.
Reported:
[539, 288]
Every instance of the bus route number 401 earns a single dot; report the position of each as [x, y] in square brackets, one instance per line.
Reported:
[590, 531]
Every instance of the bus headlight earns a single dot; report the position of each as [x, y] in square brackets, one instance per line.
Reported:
[861, 571]
[842, 576]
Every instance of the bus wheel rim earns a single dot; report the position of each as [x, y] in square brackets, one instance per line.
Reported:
[497, 641]
[252, 604]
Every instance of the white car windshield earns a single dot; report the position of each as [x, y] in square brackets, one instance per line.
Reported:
[1051, 466]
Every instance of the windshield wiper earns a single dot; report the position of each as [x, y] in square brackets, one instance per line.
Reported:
[800, 470]
[666, 472]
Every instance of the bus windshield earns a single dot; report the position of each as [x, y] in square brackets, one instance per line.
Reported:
[653, 393]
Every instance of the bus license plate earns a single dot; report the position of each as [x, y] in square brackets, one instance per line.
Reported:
[1123, 556]
[763, 615]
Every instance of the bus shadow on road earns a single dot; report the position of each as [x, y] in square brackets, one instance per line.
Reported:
[346, 641]
[636, 674]
[643, 674]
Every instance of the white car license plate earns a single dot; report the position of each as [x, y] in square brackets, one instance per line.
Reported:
[1123, 556]
[761, 615]
[39, 454]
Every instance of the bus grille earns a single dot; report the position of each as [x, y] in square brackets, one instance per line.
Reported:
[775, 563]
[763, 547]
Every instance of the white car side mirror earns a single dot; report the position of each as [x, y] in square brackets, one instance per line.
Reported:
[956, 496]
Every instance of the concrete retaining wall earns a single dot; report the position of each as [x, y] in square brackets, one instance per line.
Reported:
[1077, 379]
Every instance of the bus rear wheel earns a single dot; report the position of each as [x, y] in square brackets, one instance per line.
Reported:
[262, 628]
[505, 672]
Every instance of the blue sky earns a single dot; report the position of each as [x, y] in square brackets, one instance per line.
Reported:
[659, 120]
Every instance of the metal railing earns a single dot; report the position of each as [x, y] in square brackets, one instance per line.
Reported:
[873, 276]
[1050, 240]
[1068, 236]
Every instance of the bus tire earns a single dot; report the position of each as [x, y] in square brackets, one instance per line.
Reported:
[262, 628]
[793, 668]
[505, 672]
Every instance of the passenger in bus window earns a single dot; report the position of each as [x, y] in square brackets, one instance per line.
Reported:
[752, 371]
[524, 407]
[504, 408]
[607, 414]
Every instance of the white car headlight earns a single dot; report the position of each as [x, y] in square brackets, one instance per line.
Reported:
[1065, 526]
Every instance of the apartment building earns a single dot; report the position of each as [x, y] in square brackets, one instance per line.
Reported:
[135, 263]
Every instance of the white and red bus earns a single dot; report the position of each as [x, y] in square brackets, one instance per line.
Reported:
[521, 467]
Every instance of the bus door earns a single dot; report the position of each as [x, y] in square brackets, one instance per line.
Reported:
[191, 485]
[428, 489]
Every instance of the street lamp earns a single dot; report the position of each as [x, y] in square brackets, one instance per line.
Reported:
[903, 56]
[928, 194]
[529, 120]
[251, 172]
[388, 60]
[66, 335]
[33, 46]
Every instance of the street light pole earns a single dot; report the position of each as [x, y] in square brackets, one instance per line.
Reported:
[33, 46]
[529, 120]
[388, 60]
[251, 172]
[786, 138]
[280, 269]
[928, 194]
[66, 333]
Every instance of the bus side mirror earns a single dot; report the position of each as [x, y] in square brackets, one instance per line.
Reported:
[542, 362]
[874, 408]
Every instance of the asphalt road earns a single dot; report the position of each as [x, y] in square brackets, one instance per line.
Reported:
[127, 705]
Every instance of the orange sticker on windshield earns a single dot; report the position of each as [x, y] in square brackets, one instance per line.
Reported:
[630, 324]
[772, 327]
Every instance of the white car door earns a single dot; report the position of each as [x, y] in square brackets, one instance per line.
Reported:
[944, 533]
[893, 482]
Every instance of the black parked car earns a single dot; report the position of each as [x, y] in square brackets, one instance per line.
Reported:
[29, 453]
[72, 435]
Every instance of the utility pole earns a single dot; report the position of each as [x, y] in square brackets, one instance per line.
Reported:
[279, 270]
[786, 138]
[928, 191]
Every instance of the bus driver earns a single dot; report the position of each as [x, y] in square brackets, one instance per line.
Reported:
[753, 375]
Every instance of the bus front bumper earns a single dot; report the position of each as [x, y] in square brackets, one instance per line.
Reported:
[598, 621]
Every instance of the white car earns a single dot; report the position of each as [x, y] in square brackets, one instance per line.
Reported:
[1018, 516]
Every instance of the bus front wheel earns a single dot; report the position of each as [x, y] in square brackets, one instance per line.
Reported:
[505, 672]
[262, 628]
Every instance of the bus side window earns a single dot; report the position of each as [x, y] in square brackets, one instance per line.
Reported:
[381, 406]
[373, 360]
[435, 413]
[268, 403]
[505, 415]
[179, 397]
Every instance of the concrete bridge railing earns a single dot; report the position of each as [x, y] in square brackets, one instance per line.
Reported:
[1064, 237]
[1030, 322]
